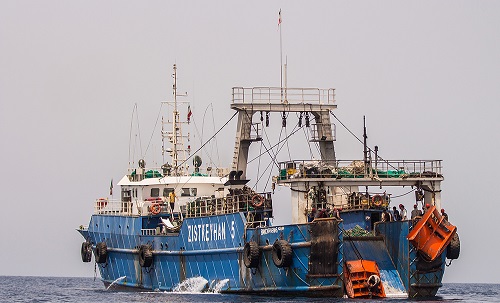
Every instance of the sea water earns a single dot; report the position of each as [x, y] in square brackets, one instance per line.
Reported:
[88, 290]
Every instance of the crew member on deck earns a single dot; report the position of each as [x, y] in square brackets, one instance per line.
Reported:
[415, 212]
[395, 213]
[336, 213]
[445, 215]
[171, 198]
[403, 213]
[386, 217]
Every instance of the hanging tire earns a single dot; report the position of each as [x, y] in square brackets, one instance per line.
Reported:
[282, 253]
[145, 255]
[86, 252]
[101, 252]
[251, 254]
[453, 250]
[425, 265]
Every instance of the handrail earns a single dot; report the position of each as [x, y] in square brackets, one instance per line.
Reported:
[356, 169]
[208, 206]
[104, 206]
[283, 95]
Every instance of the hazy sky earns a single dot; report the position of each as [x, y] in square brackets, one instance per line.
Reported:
[425, 73]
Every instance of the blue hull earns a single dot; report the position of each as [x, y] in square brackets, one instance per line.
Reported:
[213, 248]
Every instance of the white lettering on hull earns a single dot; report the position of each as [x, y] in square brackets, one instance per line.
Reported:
[209, 232]
[271, 230]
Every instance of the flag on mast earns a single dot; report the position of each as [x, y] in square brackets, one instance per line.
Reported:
[279, 18]
[111, 188]
[189, 114]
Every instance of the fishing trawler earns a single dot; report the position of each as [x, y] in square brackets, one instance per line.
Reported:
[172, 225]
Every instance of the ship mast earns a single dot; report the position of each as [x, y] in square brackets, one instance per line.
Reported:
[175, 117]
[177, 151]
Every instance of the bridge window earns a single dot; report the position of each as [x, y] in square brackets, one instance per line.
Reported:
[155, 192]
[167, 191]
[186, 192]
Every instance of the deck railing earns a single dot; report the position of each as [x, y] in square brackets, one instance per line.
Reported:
[357, 169]
[207, 206]
[106, 206]
[286, 95]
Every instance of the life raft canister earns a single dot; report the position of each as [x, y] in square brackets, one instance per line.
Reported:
[146, 255]
[251, 254]
[86, 252]
[101, 252]
[257, 200]
[282, 254]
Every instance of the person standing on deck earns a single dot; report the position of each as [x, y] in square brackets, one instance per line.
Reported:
[386, 216]
[171, 199]
[415, 212]
[395, 213]
[445, 215]
[403, 213]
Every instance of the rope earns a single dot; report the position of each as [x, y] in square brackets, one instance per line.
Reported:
[134, 110]
[201, 136]
[154, 128]
[203, 145]
[360, 141]
[267, 150]
[356, 251]
[403, 194]
[279, 142]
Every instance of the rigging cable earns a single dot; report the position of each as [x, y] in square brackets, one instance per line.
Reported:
[369, 149]
[399, 196]
[138, 127]
[306, 135]
[288, 146]
[279, 142]
[134, 110]
[203, 145]
[152, 133]
[286, 138]
[215, 139]
[202, 129]
[267, 150]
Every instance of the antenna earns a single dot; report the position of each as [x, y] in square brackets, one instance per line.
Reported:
[365, 147]
[281, 57]
[175, 136]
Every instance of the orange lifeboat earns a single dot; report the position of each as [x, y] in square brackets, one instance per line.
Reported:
[362, 279]
[432, 234]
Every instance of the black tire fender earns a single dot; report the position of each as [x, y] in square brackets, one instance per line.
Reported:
[86, 252]
[425, 265]
[101, 252]
[251, 254]
[282, 253]
[146, 255]
[453, 250]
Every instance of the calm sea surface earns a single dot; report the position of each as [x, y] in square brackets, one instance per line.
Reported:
[42, 289]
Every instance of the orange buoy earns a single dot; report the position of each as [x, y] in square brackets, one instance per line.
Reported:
[377, 200]
[257, 200]
[155, 208]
